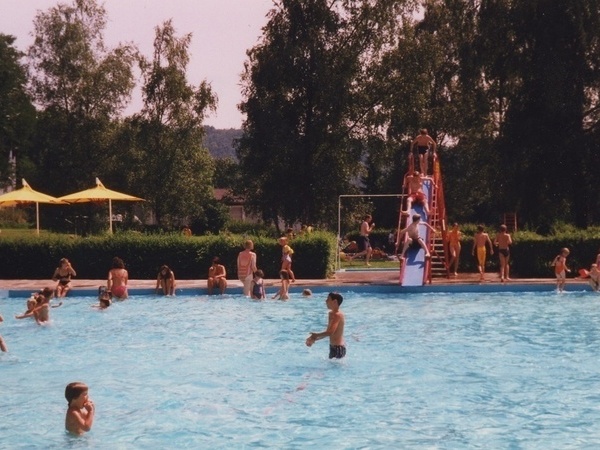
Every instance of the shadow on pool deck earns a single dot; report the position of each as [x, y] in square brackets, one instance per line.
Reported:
[349, 277]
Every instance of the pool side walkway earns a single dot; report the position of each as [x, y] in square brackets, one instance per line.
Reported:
[384, 279]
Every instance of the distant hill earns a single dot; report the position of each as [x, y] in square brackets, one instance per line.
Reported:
[220, 143]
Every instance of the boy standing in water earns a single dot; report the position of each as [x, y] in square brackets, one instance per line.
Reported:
[479, 243]
[335, 328]
[80, 415]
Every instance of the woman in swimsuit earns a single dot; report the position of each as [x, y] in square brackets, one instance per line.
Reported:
[63, 274]
[117, 279]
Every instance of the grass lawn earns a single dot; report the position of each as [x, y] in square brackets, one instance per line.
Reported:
[375, 264]
[14, 232]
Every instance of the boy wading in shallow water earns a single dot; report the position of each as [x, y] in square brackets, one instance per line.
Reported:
[80, 415]
[335, 328]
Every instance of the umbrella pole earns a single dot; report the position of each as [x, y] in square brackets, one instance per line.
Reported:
[110, 230]
[37, 217]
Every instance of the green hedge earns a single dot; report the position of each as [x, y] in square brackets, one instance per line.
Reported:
[36, 257]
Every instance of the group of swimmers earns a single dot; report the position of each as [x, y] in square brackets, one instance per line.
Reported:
[252, 277]
[80, 413]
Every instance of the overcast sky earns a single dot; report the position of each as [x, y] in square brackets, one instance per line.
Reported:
[222, 31]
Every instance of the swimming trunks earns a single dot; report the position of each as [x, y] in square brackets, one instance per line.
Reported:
[363, 243]
[504, 251]
[481, 252]
[284, 275]
[422, 149]
[337, 351]
[415, 244]
[119, 291]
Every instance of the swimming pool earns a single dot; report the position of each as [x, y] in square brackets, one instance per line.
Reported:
[487, 370]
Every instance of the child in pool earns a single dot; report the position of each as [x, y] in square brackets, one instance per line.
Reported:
[3, 346]
[258, 288]
[80, 414]
[104, 298]
[31, 304]
[335, 327]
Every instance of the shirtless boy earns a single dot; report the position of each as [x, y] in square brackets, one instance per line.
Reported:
[423, 141]
[503, 241]
[454, 247]
[80, 414]
[364, 246]
[414, 239]
[415, 193]
[335, 328]
[481, 239]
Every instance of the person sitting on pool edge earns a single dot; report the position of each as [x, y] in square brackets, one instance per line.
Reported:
[63, 274]
[217, 276]
[414, 239]
[117, 279]
[165, 280]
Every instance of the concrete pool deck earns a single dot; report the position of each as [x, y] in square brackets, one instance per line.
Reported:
[372, 280]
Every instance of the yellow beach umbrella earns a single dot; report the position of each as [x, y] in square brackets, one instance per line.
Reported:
[26, 195]
[100, 194]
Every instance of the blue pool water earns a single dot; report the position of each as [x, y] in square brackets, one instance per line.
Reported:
[434, 371]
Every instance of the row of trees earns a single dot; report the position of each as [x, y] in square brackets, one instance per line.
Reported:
[77, 132]
[336, 90]
[332, 94]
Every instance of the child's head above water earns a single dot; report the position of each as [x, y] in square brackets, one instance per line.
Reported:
[74, 391]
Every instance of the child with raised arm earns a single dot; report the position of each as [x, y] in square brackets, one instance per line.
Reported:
[561, 269]
[480, 240]
[335, 327]
[414, 239]
[80, 414]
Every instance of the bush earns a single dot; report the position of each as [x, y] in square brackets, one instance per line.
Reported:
[33, 257]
